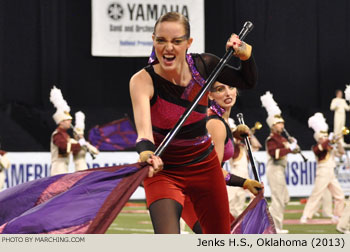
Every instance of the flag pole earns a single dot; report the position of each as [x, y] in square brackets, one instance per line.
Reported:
[248, 26]
[249, 149]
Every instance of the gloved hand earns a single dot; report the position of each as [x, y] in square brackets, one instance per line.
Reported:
[252, 186]
[82, 142]
[242, 49]
[241, 131]
[145, 155]
[293, 145]
[331, 136]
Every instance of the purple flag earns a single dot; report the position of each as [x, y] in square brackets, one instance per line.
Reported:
[82, 202]
[117, 135]
[255, 219]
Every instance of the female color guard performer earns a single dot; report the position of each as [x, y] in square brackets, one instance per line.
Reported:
[160, 93]
[222, 98]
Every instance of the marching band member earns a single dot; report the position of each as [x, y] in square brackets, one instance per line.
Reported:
[79, 158]
[339, 106]
[325, 177]
[4, 164]
[343, 225]
[277, 148]
[61, 143]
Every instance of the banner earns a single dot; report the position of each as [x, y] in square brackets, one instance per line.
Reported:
[300, 176]
[125, 27]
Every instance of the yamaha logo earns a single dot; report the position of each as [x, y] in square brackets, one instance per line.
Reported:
[115, 11]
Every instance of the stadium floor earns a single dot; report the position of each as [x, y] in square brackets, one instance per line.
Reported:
[134, 219]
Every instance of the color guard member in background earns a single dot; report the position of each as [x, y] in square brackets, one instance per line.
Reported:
[238, 165]
[222, 97]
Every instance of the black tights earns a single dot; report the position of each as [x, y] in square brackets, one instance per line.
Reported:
[197, 228]
[165, 216]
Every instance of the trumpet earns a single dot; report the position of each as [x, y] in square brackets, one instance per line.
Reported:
[289, 137]
[345, 131]
[257, 126]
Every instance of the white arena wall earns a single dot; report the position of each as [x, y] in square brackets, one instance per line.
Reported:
[27, 166]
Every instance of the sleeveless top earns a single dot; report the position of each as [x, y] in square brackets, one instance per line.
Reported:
[170, 101]
[192, 143]
[229, 146]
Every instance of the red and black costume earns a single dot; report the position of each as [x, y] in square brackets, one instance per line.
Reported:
[191, 167]
[188, 213]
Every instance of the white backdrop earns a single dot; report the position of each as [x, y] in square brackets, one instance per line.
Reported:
[27, 166]
[124, 27]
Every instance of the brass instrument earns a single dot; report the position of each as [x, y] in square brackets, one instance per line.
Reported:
[345, 131]
[257, 126]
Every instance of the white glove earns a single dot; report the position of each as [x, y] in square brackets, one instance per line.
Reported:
[82, 141]
[331, 136]
[293, 145]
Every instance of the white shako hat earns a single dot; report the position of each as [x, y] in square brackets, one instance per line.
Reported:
[79, 123]
[318, 123]
[347, 92]
[272, 109]
[62, 108]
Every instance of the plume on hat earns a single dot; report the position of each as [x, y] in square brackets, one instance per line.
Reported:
[80, 120]
[347, 92]
[57, 100]
[270, 105]
[318, 123]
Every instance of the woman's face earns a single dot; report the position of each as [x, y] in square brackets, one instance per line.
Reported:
[170, 44]
[224, 95]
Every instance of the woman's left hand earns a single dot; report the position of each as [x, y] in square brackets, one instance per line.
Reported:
[241, 131]
[242, 49]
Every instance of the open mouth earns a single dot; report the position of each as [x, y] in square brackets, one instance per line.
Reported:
[228, 100]
[168, 58]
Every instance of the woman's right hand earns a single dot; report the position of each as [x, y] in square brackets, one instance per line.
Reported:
[242, 49]
[156, 165]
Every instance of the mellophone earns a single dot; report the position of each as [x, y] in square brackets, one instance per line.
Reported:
[337, 137]
[289, 140]
[257, 126]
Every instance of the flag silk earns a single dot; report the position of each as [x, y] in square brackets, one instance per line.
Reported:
[84, 202]
[255, 219]
[117, 135]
